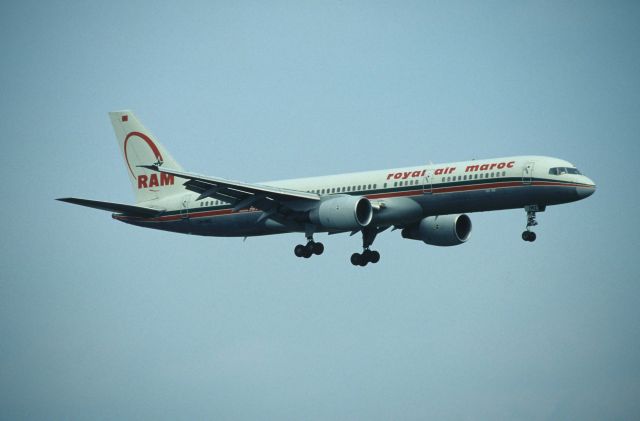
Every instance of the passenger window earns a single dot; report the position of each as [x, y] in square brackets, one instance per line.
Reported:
[448, 178]
[375, 186]
[395, 184]
[385, 185]
[475, 176]
[464, 177]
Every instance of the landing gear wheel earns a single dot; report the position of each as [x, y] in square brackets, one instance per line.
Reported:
[358, 259]
[318, 248]
[374, 257]
[308, 250]
[299, 250]
[529, 236]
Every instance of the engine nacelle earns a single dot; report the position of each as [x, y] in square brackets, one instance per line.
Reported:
[343, 213]
[443, 230]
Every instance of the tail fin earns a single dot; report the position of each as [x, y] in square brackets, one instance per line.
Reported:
[140, 147]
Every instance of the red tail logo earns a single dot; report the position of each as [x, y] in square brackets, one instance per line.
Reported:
[147, 181]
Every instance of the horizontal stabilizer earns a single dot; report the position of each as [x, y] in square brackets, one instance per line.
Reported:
[113, 207]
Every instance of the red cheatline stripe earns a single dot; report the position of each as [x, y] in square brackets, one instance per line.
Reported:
[416, 192]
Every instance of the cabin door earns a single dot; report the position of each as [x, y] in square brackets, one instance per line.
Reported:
[527, 173]
[184, 210]
[428, 183]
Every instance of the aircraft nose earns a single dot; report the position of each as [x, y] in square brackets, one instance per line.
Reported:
[587, 190]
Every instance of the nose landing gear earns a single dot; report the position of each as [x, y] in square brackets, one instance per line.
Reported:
[529, 235]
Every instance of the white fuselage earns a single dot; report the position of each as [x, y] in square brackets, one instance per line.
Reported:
[400, 196]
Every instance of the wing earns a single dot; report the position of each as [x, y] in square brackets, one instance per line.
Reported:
[271, 200]
[128, 210]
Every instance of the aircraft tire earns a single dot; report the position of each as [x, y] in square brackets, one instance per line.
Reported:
[307, 250]
[299, 250]
[318, 248]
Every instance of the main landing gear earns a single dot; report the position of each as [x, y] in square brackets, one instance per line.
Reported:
[310, 248]
[367, 255]
[529, 235]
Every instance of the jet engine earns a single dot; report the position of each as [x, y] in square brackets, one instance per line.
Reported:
[343, 213]
[443, 230]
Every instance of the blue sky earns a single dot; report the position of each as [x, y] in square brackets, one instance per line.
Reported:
[99, 319]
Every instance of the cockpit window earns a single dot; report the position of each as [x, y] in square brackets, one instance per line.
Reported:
[563, 170]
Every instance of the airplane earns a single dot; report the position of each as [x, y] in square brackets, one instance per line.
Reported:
[428, 202]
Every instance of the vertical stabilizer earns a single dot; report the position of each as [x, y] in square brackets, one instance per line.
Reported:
[139, 147]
